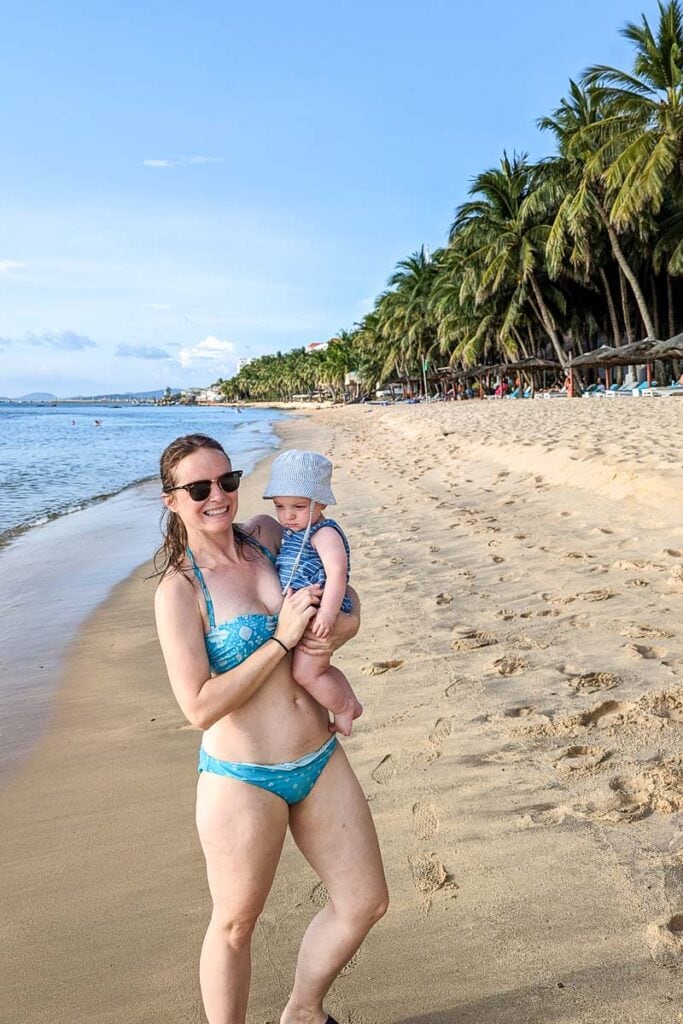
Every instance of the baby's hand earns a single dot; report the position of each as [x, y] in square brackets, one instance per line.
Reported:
[323, 625]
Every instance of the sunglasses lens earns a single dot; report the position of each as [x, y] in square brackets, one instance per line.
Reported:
[230, 481]
[200, 490]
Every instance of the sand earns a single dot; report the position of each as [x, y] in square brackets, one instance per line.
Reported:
[521, 666]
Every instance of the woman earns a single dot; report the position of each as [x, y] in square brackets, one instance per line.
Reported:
[267, 761]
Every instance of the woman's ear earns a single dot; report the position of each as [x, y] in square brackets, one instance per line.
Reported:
[168, 500]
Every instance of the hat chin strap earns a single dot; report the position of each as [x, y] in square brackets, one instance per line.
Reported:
[300, 552]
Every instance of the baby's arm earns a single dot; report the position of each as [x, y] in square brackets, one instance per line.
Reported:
[330, 547]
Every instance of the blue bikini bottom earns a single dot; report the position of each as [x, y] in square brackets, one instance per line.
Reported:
[292, 780]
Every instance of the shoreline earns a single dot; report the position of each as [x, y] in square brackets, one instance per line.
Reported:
[521, 667]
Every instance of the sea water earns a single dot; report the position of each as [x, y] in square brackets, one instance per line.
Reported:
[79, 512]
[57, 459]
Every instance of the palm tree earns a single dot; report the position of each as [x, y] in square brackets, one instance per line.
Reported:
[580, 193]
[641, 151]
[505, 240]
[406, 318]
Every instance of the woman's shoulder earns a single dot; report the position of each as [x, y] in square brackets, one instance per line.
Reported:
[175, 588]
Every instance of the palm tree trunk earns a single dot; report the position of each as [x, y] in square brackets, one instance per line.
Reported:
[655, 306]
[547, 321]
[628, 273]
[616, 337]
[670, 306]
[518, 339]
[630, 336]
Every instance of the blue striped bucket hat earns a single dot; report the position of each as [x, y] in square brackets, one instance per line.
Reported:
[299, 474]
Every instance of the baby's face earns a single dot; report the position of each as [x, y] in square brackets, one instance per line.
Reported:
[293, 512]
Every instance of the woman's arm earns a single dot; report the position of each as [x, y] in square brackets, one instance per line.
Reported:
[203, 698]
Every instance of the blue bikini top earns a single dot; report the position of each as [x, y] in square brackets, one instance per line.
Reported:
[229, 643]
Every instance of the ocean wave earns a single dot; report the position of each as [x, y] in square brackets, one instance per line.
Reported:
[43, 518]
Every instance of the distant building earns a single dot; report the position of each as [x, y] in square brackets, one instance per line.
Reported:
[316, 346]
[212, 394]
[190, 395]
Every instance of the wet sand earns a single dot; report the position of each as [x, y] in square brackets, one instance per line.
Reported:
[521, 666]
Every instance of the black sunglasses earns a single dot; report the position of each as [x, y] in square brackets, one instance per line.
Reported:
[201, 489]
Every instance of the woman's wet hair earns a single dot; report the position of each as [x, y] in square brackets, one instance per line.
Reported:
[172, 553]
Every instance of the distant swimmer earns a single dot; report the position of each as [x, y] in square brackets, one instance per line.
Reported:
[98, 423]
[73, 423]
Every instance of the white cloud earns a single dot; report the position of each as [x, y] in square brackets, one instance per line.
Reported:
[158, 305]
[184, 161]
[194, 160]
[7, 265]
[211, 350]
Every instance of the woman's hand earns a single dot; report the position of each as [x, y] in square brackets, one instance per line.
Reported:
[298, 608]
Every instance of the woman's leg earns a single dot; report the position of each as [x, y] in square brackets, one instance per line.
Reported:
[241, 828]
[333, 829]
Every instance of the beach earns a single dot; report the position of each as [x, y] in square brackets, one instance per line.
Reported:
[520, 566]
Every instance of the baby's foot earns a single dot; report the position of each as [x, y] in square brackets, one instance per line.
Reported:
[343, 722]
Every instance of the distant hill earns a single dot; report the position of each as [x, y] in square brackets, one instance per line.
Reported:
[35, 396]
[123, 396]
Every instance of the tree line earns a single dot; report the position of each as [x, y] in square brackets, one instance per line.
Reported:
[549, 258]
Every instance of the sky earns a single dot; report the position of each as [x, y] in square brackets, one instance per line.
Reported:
[182, 185]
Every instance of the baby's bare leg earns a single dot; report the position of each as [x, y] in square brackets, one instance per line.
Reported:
[329, 686]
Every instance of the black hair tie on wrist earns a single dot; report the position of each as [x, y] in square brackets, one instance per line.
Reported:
[287, 649]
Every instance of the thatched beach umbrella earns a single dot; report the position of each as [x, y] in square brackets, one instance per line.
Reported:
[638, 354]
[530, 363]
[671, 349]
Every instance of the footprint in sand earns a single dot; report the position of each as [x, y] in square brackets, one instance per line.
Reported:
[460, 685]
[319, 895]
[645, 652]
[506, 614]
[385, 770]
[378, 668]
[520, 712]
[658, 788]
[443, 727]
[557, 599]
[645, 632]
[353, 963]
[425, 821]
[510, 665]
[592, 682]
[581, 760]
[472, 639]
[637, 583]
[665, 940]
[429, 874]
[603, 594]
[607, 713]
[443, 599]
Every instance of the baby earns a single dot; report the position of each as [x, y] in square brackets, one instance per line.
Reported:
[314, 550]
